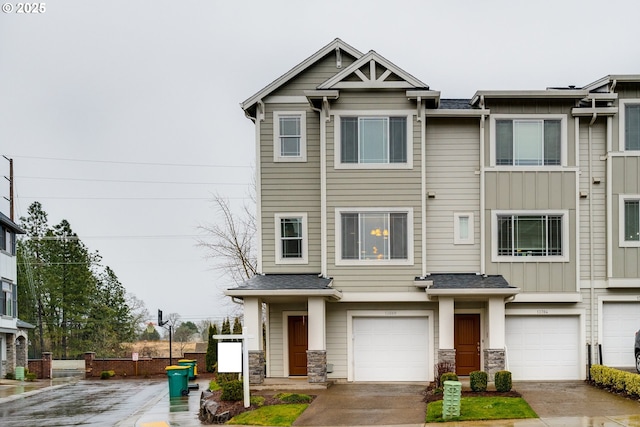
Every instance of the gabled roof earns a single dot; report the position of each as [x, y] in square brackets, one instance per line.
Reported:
[391, 76]
[618, 78]
[280, 81]
[4, 220]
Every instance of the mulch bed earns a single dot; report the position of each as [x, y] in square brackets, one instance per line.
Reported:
[430, 394]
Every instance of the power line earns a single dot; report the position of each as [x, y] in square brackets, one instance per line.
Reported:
[131, 181]
[191, 165]
[127, 198]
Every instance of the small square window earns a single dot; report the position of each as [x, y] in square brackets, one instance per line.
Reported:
[289, 136]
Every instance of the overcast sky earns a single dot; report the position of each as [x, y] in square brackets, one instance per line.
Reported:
[123, 116]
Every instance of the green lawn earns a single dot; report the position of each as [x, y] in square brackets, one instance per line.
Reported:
[272, 415]
[484, 408]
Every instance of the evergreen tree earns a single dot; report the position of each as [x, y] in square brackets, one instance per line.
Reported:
[211, 359]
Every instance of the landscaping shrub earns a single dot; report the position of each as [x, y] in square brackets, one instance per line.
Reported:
[10, 376]
[293, 397]
[478, 381]
[448, 376]
[441, 368]
[105, 375]
[616, 379]
[30, 376]
[227, 377]
[256, 400]
[232, 391]
[503, 381]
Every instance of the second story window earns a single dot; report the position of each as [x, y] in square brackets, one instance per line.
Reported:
[7, 240]
[289, 136]
[629, 220]
[373, 140]
[8, 304]
[529, 234]
[528, 142]
[291, 241]
[632, 127]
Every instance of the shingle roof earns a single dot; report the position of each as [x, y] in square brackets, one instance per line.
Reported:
[285, 281]
[455, 104]
[467, 281]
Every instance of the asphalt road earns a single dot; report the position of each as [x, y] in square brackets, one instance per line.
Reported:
[85, 403]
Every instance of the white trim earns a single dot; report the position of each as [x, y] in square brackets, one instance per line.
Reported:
[409, 114]
[622, 242]
[285, 338]
[277, 156]
[457, 239]
[609, 197]
[623, 283]
[278, 217]
[258, 154]
[548, 297]
[565, 236]
[384, 210]
[429, 314]
[282, 99]
[621, 121]
[563, 139]
[423, 191]
[611, 298]
[324, 248]
[384, 297]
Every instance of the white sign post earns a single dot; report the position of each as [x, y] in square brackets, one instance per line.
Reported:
[229, 356]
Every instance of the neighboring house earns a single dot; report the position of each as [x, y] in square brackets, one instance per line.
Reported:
[398, 229]
[13, 336]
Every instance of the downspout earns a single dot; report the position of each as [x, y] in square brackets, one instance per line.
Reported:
[258, 120]
[323, 117]
[422, 117]
[591, 257]
[483, 255]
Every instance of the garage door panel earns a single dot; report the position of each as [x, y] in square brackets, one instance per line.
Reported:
[543, 347]
[620, 322]
[390, 349]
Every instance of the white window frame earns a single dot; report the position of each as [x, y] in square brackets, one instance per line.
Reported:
[621, 125]
[409, 114]
[386, 210]
[305, 238]
[563, 139]
[621, 221]
[509, 258]
[457, 237]
[277, 149]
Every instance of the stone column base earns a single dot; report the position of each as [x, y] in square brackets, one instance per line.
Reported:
[446, 355]
[317, 366]
[256, 366]
[494, 361]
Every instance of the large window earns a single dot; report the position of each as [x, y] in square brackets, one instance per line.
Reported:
[528, 142]
[629, 220]
[374, 236]
[530, 235]
[373, 140]
[632, 127]
[291, 241]
[289, 136]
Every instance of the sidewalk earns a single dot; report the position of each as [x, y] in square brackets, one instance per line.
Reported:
[13, 389]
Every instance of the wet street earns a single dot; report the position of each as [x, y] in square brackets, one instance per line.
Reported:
[100, 403]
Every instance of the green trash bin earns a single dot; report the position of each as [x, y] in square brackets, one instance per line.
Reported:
[178, 380]
[19, 374]
[192, 364]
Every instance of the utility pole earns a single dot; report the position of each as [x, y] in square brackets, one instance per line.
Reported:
[10, 179]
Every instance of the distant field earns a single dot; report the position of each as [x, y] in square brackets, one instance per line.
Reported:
[159, 348]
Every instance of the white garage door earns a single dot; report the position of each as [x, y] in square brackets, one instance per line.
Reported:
[621, 320]
[390, 349]
[543, 347]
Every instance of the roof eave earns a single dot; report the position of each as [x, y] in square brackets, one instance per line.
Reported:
[472, 292]
[242, 293]
[529, 94]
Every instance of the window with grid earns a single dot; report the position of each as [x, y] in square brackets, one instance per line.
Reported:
[530, 235]
[291, 237]
[528, 142]
[374, 236]
[373, 140]
[632, 127]
[632, 220]
[289, 136]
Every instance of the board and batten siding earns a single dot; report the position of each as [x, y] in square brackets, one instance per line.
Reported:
[626, 180]
[452, 162]
[373, 188]
[597, 199]
[290, 187]
[533, 190]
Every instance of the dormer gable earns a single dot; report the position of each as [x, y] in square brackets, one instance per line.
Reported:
[373, 71]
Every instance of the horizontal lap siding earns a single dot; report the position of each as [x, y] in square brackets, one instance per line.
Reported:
[312, 77]
[290, 187]
[373, 188]
[515, 190]
[452, 159]
[626, 180]
[597, 199]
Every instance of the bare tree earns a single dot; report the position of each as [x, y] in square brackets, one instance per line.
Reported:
[230, 241]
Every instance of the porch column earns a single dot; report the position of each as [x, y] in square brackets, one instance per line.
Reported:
[253, 323]
[316, 348]
[494, 353]
[446, 349]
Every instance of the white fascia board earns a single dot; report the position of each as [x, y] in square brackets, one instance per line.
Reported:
[241, 293]
[456, 113]
[337, 43]
[424, 94]
[548, 297]
[472, 292]
[384, 297]
[599, 111]
[623, 283]
[320, 94]
[530, 94]
[603, 96]
[625, 78]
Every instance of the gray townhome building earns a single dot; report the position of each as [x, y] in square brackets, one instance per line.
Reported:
[398, 229]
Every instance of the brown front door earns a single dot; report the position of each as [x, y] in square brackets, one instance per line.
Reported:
[298, 345]
[467, 343]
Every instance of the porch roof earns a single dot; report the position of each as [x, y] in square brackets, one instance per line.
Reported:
[285, 285]
[466, 285]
